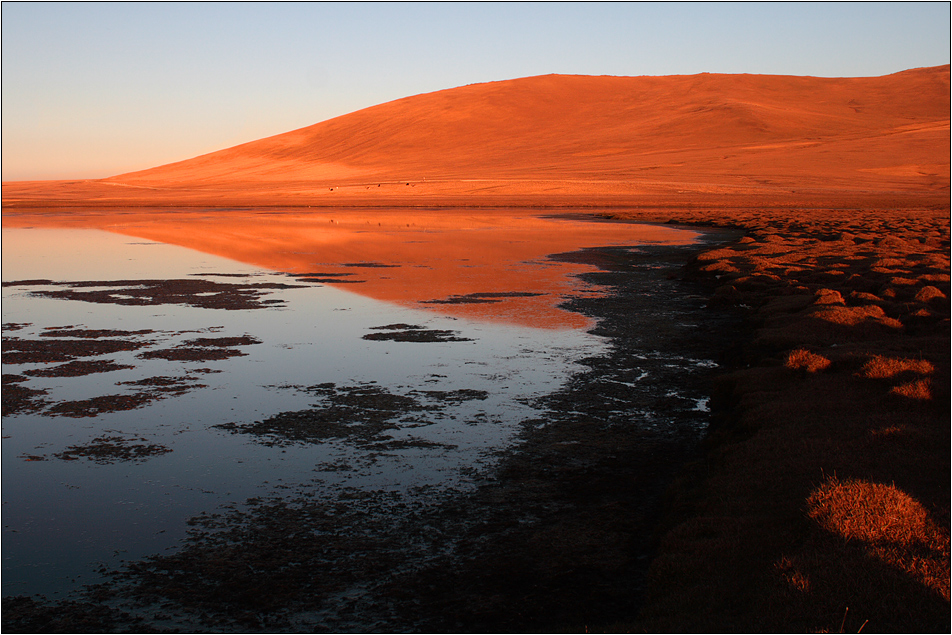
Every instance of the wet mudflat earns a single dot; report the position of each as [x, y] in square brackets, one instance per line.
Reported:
[363, 473]
[568, 508]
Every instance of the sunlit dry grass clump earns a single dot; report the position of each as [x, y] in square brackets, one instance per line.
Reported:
[884, 367]
[919, 389]
[804, 359]
[893, 526]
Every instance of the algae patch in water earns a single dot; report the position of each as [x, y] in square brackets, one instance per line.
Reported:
[199, 293]
[413, 333]
[362, 414]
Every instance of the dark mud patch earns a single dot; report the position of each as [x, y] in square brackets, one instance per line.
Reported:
[52, 346]
[235, 573]
[325, 278]
[364, 415]
[225, 275]
[148, 390]
[454, 396]
[77, 369]
[482, 298]
[199, 293]
[203, 349]
[15, 326]
[223, 342]
[413, 333]
[27, 283]
[70, 331]
[369, 265]
[28, 615]
[27, 399]
[29, 351]
[107, 450]
[169, 385]
[19, 399]
[192, 354]
[96, 406]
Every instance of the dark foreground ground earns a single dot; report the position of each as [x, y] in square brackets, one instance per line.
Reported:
[822, 500]
[817, 501]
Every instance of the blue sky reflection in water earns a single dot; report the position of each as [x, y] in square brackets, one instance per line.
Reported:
[64, 519]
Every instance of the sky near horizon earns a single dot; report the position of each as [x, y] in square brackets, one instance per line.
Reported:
[96, 89]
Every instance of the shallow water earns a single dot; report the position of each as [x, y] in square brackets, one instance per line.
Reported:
[85, 488]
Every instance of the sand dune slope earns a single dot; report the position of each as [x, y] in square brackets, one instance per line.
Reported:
[558, 137]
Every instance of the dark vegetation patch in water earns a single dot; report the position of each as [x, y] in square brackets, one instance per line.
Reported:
[223, 342]
[95, 406]
[454, 396]
[482, 298]
[192, 354]
[413, 333]
[24, 351]
[369, 265]
[331, 281]
[320, 274]
[106, 450]
[172, 385]
[325, 278]
[203, 349]
[225, 275]
[71, 331]
[19, 399]
[362, 414]
[77, 369]
[199, 293]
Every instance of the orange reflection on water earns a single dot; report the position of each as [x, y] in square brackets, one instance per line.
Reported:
[420, 259]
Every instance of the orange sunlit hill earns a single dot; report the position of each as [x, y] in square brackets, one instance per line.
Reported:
[487, 266]
[709, 139]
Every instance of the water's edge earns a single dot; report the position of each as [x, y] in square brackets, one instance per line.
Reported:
[566, 533]
[560, 536]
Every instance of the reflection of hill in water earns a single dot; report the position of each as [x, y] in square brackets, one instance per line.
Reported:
[487, 266]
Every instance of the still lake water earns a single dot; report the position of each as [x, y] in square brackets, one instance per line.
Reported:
[88, 484]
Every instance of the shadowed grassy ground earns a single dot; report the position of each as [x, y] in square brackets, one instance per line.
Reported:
[822, 500]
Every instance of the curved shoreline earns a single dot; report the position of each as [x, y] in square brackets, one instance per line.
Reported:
[544, 485]
[745, 539]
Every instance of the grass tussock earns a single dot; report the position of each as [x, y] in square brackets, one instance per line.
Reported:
[852, 316]
[929, 293]
[920, 390]
[802, 359]
[758, 539]
[890, 524]
[880, 367]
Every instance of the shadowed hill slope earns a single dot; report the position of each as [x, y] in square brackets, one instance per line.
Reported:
[558, 138]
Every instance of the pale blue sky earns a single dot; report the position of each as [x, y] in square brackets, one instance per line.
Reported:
[96, 89]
